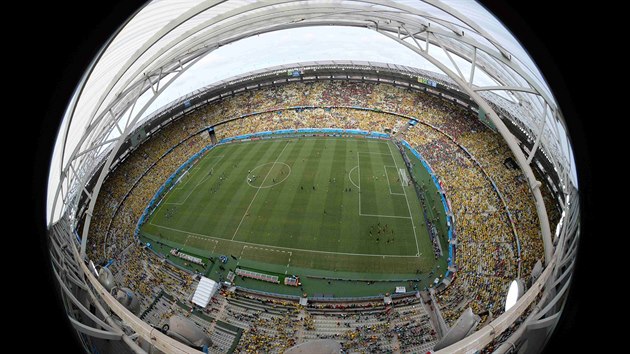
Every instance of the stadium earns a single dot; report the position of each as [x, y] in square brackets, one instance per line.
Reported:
[313, 205]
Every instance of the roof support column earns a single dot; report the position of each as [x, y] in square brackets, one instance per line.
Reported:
[507, 135]
[112, 154]
[538, 138]
[473, 64]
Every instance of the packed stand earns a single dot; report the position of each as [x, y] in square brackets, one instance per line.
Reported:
[486, 253]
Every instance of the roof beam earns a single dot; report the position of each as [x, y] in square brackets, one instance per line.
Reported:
[473, 64]
[507, 136]
[458, 15]
[506, 88]
[121, 139]
[448, 54]
[304, 9]
[195, 43]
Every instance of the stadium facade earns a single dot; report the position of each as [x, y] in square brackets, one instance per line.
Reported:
[164, 39]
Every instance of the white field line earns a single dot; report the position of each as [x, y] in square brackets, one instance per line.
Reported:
[240, 255]
[403, 177]
[390, 192]
[194, 170]
[257, 191]
[369, 141]
[387, 216]
[201, 238]
[350, 177]
[387, 177]
[373, 153]
[159, 207]
[389, 184]
[188, 176]
[265, 249]
[271, 250]
[359, 173]
[216, 243]
[289, 262]
[407, 200]
[286, 248]
[197, 185]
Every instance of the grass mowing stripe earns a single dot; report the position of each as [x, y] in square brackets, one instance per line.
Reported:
[326, 195]
[199, 172]
[280, 225]
[257, 191]
[270, 207]
[350, 221]
[292, 219]
[290, 248]
[235, 193]
[359, 179]
[368, 185]
[298, 201]
[332, 219]
[407, 200]
[312, 198]
[224, 197]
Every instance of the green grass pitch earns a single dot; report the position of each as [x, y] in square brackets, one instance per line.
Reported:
[318, 207]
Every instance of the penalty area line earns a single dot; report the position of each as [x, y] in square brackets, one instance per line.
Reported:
[257, 191]
[388, 183]
[413, 225]
[198, 184]
[350, 176]
[289, 262]
[387, 216]
[287, 248]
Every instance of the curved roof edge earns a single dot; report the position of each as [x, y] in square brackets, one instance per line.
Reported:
[511, 110]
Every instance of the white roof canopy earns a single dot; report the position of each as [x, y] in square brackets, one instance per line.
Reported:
[166, 38]
[166, 41]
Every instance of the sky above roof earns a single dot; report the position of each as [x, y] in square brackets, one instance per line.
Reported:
[285, 47]
[299, 45]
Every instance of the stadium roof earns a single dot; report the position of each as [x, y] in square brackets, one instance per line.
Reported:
[172, 45]
[164, 40]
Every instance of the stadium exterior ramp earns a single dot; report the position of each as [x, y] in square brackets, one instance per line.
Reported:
[164, 39]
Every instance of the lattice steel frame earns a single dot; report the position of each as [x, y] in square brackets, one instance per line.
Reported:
[406, 25]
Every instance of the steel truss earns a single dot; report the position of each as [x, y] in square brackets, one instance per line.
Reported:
[192, 34]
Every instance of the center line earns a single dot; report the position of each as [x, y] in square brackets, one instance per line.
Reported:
[258, 190]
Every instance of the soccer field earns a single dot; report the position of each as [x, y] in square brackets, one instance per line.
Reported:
[321, 207]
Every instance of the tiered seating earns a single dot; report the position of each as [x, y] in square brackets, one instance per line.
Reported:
[486, 253]
[222, 339]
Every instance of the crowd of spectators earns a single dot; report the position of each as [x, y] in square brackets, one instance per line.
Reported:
[481, 227]
[123, 198]
[343, 118]
[491, 154]
[486, 256]
[402, 325]
[268, 333]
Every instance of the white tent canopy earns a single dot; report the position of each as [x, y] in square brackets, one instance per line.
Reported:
[205, 291]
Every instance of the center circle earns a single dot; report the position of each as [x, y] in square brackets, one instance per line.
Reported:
[268, 174]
